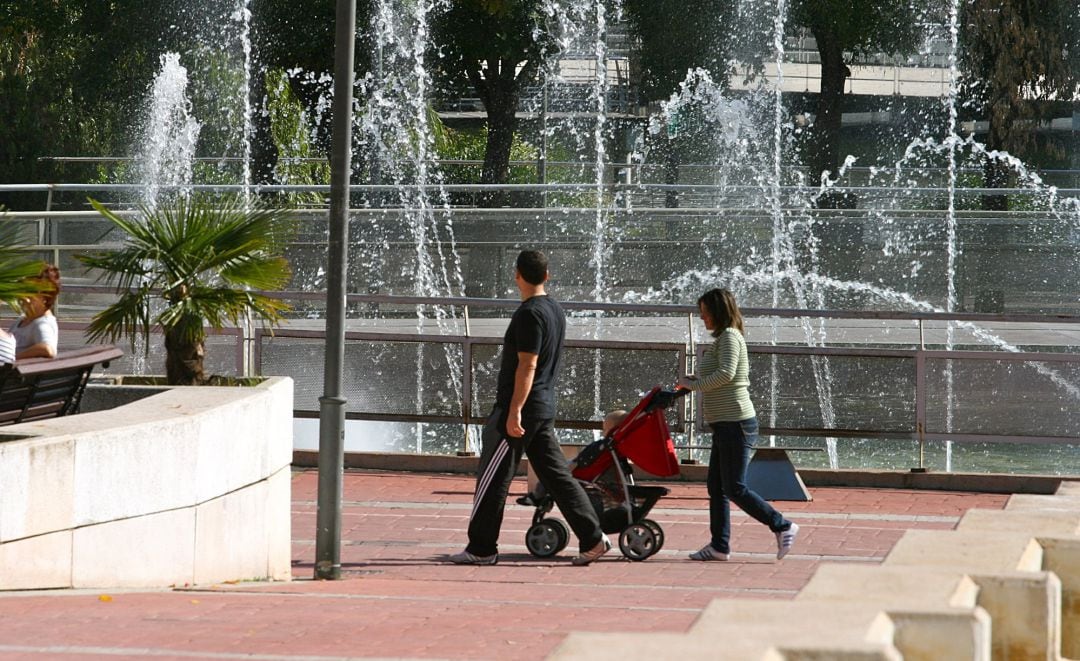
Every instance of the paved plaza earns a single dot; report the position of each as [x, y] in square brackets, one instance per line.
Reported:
[398, 599]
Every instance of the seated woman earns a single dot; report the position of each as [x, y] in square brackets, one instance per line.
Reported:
[36, 332]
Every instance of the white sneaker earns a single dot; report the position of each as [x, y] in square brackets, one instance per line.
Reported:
[602, 547]
[785, 539]
[707, 553]
[466, 558]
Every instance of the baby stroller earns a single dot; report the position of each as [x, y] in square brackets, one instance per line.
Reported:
[603, 468]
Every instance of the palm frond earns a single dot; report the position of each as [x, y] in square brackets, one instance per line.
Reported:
[199, 256]
[267, 273]
[18, 270]
[127, 317]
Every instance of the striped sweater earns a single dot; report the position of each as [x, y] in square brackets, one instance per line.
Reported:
[724, 379]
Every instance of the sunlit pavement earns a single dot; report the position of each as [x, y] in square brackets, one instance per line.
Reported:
[399, 599]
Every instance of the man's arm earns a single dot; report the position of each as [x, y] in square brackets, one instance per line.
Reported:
[523, 380]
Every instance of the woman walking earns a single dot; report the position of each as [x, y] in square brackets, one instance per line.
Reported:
[724, 380]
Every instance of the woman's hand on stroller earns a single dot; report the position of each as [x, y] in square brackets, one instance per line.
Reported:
[685, 382]
[663, 399]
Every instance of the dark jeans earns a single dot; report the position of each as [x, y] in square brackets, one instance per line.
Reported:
[730, 454]
[498, 459]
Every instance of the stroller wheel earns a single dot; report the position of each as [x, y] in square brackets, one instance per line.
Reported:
[657, 531]
[547, 537]
[564, 533]
[638, 542]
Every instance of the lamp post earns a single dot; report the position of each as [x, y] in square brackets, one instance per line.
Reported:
[332, 404]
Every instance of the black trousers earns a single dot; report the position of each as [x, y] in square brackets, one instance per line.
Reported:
[499, 458]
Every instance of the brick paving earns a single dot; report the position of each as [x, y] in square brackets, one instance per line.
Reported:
[398, 599]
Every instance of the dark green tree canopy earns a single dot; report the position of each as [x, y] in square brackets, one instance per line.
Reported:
[675, 36]
[863, 27]
[1020, 59]
[498, 47]
[846, 30]
[72, 74]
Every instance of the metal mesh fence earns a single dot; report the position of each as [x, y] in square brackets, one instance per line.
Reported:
[1002, 398]
[841, 392]
[380, 378]
[593, 380]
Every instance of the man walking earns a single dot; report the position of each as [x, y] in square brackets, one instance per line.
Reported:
[523, 420]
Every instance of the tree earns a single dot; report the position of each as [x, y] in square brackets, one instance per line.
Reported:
[846, 30]
[675, 37]
[498, 46]
[201, 259]
[1019, 58]
[72, 75]
[1021, 62]
[301, 44]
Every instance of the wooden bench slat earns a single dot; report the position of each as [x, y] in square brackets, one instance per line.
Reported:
[38, 388]
[68, 359]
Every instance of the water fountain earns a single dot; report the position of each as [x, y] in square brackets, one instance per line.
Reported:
[756, 228]
[165, 152]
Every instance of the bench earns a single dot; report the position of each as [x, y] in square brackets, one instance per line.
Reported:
[772, 475]
[36, 388]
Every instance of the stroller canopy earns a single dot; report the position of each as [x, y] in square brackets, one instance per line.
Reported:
[642, 437]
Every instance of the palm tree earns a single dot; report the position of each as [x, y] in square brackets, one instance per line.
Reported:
[201, 260]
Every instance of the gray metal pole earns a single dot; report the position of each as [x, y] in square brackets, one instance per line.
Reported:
[332, 404]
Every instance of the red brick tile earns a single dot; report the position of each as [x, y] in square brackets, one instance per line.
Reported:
[398, 599]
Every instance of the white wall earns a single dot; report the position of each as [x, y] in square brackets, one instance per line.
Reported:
[185, 487]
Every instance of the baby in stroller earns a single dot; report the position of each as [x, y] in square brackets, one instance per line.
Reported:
[539, 492]
[603, 467]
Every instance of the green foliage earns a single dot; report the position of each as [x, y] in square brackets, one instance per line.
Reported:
[17, 269]
[866, 27]
[676, 36]
[475, 34]
[1018, 58]
[299, 39]
[291, 136]
[71, 78]
[191, 265]
[457, 145]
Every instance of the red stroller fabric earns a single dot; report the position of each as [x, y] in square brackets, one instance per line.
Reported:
[644, 438]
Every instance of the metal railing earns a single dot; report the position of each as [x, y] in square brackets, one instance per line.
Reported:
[461, 334]
[472, 327]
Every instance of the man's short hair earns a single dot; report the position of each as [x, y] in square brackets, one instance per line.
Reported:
[533, 266]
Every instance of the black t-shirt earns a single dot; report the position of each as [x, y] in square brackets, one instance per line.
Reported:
[538, 326]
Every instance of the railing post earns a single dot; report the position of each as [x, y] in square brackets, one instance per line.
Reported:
[466, 389]
[690, 415]
[920, 398]
[466, 379]
[44, 220]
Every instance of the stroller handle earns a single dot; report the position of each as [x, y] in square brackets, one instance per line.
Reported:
[665, 398]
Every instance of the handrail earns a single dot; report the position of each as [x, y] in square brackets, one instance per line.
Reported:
[918, 354]
[680, 214]
[478, 162]
[655, 308]
[458, 332]
[523, 188]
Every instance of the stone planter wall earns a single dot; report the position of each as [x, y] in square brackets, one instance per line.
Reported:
[189, 486]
